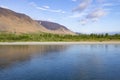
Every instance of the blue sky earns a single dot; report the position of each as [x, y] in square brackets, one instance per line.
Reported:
[85, 16]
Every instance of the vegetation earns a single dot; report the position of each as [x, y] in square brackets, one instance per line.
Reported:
[44, 37]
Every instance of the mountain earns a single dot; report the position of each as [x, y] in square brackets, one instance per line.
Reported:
[55, 27]
[11, 21]
[14, 22]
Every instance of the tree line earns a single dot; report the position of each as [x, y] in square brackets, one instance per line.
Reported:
[43, 37]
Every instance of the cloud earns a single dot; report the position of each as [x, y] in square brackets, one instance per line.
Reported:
[91, 10]
[41, 8]
[57, 11]
[96, 14]
[46, 8]
[82, 6]
[93, 16]
[74, 0]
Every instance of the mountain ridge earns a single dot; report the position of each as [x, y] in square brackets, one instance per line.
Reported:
[11, 21]
[55, 27]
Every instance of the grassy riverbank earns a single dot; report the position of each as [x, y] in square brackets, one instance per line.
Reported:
[46, 37]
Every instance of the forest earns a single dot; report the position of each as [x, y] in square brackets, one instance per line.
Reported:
[48, 37]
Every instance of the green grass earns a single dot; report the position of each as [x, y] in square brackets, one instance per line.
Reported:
[47, 37]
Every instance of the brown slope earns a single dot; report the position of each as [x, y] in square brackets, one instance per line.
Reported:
[55, 27]
[11, 21]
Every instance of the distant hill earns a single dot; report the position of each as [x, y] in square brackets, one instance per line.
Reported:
[14, 22]
[11, 21]
[55, 27]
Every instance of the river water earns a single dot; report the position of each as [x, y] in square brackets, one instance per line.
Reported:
[60, 62]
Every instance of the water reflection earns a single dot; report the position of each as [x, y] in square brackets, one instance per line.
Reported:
[60, 62]
[14, 54]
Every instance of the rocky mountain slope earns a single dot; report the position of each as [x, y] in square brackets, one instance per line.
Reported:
[11, 21]
[14, 22]
[55, 27]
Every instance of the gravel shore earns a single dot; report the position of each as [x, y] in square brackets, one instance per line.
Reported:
[56, 43]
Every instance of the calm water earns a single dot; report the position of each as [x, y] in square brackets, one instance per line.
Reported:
[60, 62]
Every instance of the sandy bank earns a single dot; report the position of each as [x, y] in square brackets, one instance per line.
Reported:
[55, 43]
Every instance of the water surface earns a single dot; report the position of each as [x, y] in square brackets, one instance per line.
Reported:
[60, 62]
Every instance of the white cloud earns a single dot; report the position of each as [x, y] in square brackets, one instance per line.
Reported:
[74, 0]
[82, 6]
[57, 11]
[91, 10]
[41, 8]
[46, 8]
[96, 14]
[93, 16]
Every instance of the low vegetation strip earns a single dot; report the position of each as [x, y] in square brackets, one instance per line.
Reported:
[47, 37]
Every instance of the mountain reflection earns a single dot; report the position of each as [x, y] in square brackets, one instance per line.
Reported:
[10, 55]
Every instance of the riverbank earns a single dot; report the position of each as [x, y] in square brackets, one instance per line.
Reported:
[56, 43]
[46, 37]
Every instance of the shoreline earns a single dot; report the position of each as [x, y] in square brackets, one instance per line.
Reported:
[57, 43]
